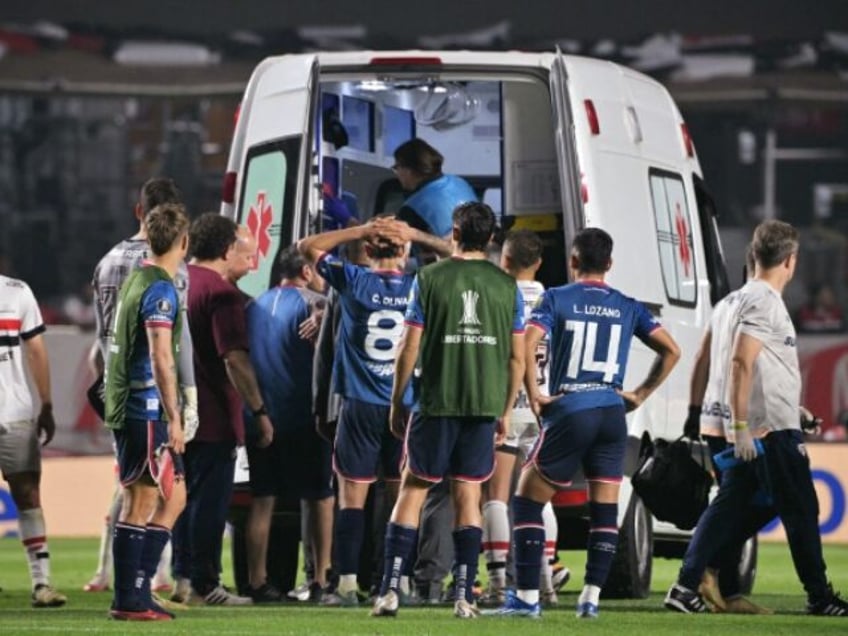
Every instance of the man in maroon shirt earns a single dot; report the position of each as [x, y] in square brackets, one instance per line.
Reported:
[225, 385]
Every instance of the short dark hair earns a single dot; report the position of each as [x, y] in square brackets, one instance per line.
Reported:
[420, 157]
[475, 223]
[773, 243]
[593, 249]
[525, 248]
[211, 235]
[165, 224]
[157, 191]
[291, 262]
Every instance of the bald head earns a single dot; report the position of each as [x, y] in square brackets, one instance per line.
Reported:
[243, 255]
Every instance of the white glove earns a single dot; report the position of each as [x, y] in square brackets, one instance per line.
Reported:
[744, 445]
[190, 418]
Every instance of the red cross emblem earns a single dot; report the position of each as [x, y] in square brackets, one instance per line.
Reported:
[258, 221]
[683, 240]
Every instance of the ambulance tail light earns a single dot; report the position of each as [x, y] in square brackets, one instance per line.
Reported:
[688, 144]
[592, 116]
[236, 115]
[423, 60]
[228, 188]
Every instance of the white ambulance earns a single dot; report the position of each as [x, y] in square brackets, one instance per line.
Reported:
[553, 143]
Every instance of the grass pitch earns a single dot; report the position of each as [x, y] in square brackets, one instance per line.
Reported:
[73, 561]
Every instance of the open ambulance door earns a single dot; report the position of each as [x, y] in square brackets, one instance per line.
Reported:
[569, 170]
[277, 176]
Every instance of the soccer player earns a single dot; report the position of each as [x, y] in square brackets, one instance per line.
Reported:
[21, 335]
[142, 409]
[764, 397]
[465, 320]
[373, 303]
[521, 257]
[298, 459]
[109, 275]
[590, 327]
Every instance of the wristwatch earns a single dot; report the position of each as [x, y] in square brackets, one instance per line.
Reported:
[260, 411]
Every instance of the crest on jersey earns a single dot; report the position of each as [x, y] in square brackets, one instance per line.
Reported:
[163, 305]
[469, 308]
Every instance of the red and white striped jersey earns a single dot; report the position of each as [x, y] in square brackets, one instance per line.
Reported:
[20, 319]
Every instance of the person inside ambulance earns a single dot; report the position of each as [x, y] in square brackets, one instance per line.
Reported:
[432, 194]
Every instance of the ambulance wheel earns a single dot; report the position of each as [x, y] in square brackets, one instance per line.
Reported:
[630, 575]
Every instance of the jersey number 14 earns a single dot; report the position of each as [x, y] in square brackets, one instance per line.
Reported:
[583, 343]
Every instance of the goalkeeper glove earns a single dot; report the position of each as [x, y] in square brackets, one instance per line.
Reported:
[190, 418]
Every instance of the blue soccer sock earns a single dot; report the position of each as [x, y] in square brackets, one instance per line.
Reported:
[528, 541]
[399, 542]
[127, 547]
[603, 541]
[466, 546]
[155, 540]
[350, 529]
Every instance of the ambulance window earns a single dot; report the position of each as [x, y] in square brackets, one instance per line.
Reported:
[266, 204]
[674, 236]
[358, 120]
[398, 127]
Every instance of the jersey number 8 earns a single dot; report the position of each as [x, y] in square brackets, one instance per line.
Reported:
[384, 330]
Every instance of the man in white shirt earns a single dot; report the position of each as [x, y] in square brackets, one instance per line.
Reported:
[21, 334]
[764, 399]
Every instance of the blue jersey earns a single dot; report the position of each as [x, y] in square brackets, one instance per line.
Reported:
[281, 358]
[158, 308]
[590, 326]
[373, 304]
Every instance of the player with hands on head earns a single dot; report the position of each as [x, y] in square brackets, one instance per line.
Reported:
[372, 301]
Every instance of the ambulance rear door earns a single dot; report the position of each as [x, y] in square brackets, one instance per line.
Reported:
[273, 158]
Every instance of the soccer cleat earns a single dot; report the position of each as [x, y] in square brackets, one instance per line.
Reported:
[168, 604]
[464, 609]
[138, 615]
[300, 593]
[681, 599]
[587, 610]
[265, 593]
[560, 576]
[741, 605]
[340, 599]
[161, 585]
[222, 596]
[514, 606]
[386, 605]
[549, 598]
[708, 589]
[833, 605]
[46, 596]
[97, 583]
[182, 590]
[493, 597]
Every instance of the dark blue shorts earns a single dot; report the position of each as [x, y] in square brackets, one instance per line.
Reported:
[592, 438]
[135, 449]
[297, 464]
[460, 448]
[365, 447]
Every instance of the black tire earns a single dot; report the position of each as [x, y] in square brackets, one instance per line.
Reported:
[748, 566]
[630, 575]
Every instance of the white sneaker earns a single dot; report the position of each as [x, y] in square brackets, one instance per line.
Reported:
[464, 609]
[300, 593]
[222, 596]
[386, 605]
